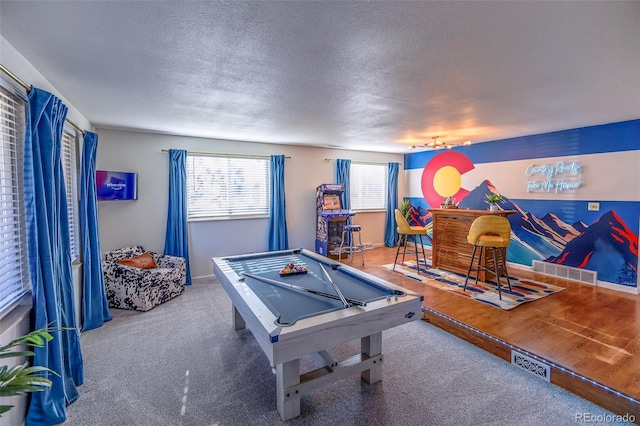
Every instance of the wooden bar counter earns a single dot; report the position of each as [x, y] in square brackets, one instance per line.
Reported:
[450, 249]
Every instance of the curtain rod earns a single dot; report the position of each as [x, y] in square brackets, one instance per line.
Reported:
[363, 162]
[222, 154]
[28, 89]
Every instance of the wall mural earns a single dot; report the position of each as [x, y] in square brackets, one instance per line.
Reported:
[605, 243]
[607, 246]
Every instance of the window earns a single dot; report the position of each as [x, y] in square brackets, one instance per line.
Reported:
[14, 267]
[70, 168]
[368, 186]
[228, 187]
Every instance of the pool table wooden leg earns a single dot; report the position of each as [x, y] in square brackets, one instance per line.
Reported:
[372, 346]
[287, 375]
[237, 320]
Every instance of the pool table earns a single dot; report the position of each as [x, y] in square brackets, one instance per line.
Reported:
[290, 323]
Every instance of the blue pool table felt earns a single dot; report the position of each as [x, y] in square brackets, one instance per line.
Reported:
[290, 305]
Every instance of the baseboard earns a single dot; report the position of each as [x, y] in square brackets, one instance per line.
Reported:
[370, 246]
[617, 287]
[519, 267]
[203, 277]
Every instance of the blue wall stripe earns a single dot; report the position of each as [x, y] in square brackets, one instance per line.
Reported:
[613, 137]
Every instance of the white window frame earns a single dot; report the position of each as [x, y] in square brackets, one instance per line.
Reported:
[70, 168]
[15, 281]
[227, 187]
[368, 186]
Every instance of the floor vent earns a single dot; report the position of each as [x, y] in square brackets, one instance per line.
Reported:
[569, 272]
[533, 366]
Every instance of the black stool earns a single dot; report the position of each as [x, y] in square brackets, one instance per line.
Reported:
[348, 232]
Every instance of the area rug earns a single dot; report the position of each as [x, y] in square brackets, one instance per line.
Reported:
[522, 290]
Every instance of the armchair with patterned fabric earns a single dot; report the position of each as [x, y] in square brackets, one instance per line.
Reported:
[153, 279]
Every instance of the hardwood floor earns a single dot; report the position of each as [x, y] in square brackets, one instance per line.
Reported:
[590, 336]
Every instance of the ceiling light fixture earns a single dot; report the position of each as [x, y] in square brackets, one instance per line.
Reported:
[436, 143]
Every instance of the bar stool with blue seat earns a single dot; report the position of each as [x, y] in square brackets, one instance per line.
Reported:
[348, 238]
[492, 232]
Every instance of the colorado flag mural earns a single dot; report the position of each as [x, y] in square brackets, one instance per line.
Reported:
[550, 180]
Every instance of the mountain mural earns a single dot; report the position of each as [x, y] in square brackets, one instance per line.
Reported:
[608, 246]
[419, 216]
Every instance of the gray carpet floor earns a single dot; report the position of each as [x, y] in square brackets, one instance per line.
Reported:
[183, 364]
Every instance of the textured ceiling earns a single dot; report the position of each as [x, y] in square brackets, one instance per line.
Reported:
[375, 76]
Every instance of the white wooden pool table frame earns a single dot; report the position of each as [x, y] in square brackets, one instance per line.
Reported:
[284, 346]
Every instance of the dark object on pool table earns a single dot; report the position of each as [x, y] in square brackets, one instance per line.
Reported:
[292, 269]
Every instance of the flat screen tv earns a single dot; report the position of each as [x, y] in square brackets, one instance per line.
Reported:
[116, 185]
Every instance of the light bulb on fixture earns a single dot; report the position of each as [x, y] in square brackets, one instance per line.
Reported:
[436, 143]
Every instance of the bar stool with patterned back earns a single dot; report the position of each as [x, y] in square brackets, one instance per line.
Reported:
[492, 232]
[405, 229]
[348, 238]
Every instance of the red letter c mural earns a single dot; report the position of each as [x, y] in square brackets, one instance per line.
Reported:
[442, 177]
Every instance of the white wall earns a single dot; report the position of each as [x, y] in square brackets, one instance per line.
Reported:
[17, 64]
[143, 221]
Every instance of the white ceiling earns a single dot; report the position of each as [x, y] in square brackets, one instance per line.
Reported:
[375, 76]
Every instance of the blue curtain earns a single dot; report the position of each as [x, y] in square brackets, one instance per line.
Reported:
[49, 251]
[176, 240]
[278, 234]
[342, 176]
[95, 306]
[390, 233]
[343, 169]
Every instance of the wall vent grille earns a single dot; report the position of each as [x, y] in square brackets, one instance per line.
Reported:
[530, 365]
[569, 272]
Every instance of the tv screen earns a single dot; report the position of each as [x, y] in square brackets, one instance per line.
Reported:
[116, 185]
[331, 202]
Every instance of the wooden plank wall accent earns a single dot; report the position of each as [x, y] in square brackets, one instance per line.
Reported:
[451, 251]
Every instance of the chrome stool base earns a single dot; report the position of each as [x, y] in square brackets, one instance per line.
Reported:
[348, 232]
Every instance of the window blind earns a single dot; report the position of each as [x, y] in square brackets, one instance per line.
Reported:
[14, 268]
[227, 186]
[368, 186]
[70, 169]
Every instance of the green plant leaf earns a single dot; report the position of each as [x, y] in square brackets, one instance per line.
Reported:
[16, 354]
[22, 379]
[405, 207]
[493, 198]
[35, 338]
[22, 389]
